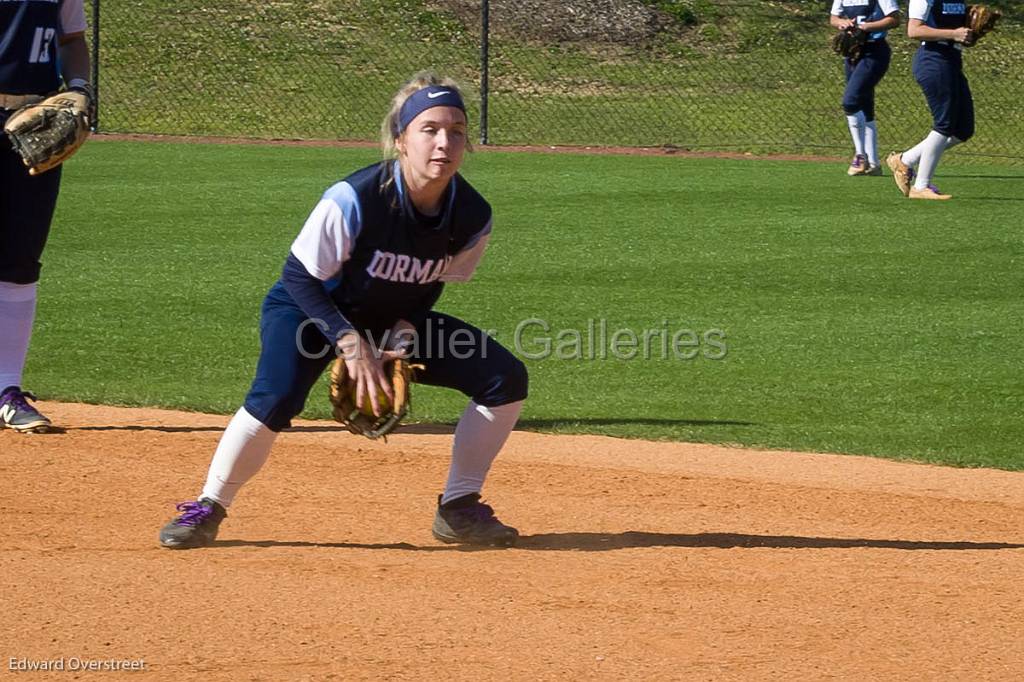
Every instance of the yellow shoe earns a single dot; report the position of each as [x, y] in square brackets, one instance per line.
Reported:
[929, 192]
[902, 174]
[859, 165]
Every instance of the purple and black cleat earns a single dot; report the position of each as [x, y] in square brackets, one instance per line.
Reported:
[196, 526]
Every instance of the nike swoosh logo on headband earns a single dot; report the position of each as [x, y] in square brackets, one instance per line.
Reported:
[433, 95]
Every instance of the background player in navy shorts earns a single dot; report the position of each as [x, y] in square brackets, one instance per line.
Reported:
[876, 17]
[363, 275]
[938, 68]
[42, 44]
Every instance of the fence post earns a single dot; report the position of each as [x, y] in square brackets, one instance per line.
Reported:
[96, 64]
[485, 29]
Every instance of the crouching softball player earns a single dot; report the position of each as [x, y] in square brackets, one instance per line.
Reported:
[369, 264]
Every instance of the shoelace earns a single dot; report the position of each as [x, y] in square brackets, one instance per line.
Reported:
[934, 189]
[18, 399]
[193, 514]
[478, 513]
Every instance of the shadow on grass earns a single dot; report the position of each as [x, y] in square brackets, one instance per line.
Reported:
[544, 424]
[604, 542]
[985, 176]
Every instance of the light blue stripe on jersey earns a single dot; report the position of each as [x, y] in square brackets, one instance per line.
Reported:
[396, 173]
[875, 16]
[345, 197]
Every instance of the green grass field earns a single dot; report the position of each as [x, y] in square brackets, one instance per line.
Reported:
[724, 75]
[854, 320]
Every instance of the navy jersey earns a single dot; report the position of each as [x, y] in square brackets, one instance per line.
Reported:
[29, 34]
[939, 13]
[378, 257]
[865, 10]
[853, 9]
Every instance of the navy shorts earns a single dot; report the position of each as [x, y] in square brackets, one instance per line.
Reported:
[26, 209]
[862, 78]
[938, 69]
[294, 354]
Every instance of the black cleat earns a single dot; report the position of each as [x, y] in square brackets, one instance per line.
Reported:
[467, 520]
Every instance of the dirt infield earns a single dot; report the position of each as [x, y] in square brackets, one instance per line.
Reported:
[640, 561]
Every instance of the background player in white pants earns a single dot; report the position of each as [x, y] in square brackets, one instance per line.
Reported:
[876, 17]
[938, 68]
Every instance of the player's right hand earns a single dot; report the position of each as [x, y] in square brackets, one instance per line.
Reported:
[365, 366]
[962, 34]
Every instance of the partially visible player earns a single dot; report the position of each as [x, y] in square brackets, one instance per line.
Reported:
[876, 17]
[363, 276]
[42, 46]
[938, 68]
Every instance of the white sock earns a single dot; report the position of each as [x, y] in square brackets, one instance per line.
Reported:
[17, 313]
[479, 436]
[242, 451]
[912, 157]
[934, 145]
[871, 142]
[857, 123]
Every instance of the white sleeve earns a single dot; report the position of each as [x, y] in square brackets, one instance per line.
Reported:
[323, 243]
[919, 9]
[463, 264]
[72, 17]
[888, 7]
[837, 7]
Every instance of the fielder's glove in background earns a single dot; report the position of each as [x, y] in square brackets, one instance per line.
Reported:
[47, 133]
[850, 43]
[980, 19]
[362, 420]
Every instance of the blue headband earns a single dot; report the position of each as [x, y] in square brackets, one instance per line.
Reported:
[427, 98]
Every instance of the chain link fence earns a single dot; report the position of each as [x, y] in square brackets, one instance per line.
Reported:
[725, 75]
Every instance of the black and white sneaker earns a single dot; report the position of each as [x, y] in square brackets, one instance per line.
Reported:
[17, 414]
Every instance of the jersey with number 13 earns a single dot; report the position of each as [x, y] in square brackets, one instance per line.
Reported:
[29, 34]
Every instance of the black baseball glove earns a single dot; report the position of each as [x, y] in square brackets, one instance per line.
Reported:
[850, 43]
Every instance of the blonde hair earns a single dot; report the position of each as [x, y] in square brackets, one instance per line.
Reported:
[389, 127]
